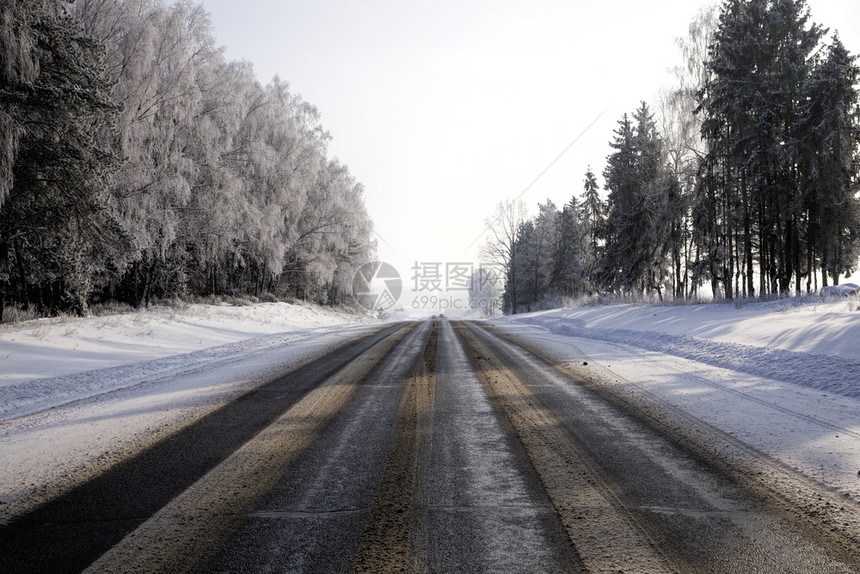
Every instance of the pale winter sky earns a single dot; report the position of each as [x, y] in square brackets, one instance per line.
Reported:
[443, 108]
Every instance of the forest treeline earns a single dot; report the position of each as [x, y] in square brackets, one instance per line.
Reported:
[744, 179]
[136, 162]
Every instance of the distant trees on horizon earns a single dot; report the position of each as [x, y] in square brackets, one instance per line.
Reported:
[746, 181]
[136, 162]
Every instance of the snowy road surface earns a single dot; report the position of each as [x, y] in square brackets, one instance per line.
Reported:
[439, 446]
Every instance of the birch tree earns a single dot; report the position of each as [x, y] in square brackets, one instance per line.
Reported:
[501, 250]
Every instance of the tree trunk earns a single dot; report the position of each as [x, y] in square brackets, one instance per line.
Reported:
[144, 299]
[748, 257]
[23, 295]
[4, 266]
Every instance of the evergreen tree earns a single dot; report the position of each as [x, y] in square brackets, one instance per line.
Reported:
[56, 225]
[633, 258]
[592, 218]
[654, 202]
[521, 279]
[829, 129]
[750, 194]
[536, 247]
[568, 270]
[547, 237]
[580, 223]
[620, 177]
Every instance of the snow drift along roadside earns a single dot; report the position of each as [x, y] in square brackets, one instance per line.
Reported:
[781, 378]
[46, 363]
[812, 345]
[101, 389]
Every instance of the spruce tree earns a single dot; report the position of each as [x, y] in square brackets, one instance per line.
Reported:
[56, 225]
[592, 216]
[633, 257]
[568, 272]
[829, 137]
[620, 177]
[750, 194]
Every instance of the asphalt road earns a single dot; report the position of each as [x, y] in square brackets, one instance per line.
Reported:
[430, 447]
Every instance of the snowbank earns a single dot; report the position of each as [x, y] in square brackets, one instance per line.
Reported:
[813, 345]
[79, 395]
[781, 378]
[49, 362]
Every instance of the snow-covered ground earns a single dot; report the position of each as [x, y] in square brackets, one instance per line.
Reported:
[78, 394]
[782, 377]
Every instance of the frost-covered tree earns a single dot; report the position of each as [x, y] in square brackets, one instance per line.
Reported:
[486, 290]
[501, 248]
[135, 161]
[57, 233]
[829, 139]
[568, 259]
[581, 223]
[681, 130]
[536, 247]
[19, 67]
[634, 231]
[750, 203]
[546, 239]
[523, 269]
[592, 219]
[167, 51]
[322, 241]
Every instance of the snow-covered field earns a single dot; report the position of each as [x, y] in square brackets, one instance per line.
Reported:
[781, 377]
[77, 394]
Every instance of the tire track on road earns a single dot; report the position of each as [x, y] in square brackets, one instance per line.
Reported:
[605, 539]
[189, 530]
[67, 533]
[759, 473]
[776, 517]
[394, 538]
